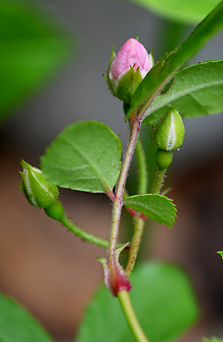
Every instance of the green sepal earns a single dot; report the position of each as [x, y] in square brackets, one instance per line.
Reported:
[125, 86]
[38, 191]
[126, 107]
[170, 131]
[111, 60]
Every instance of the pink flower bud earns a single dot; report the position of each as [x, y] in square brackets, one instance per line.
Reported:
[132, 54]
[127, 69]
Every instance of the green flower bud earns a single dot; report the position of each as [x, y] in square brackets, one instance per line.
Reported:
[163, 159]
[38, 191]
[55, 211]
[170, 131]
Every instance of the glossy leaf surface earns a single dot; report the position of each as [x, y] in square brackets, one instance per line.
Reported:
[187, 12]
[155, 206]
[86, 156]
[196, 90]
[162, 298]
[17, 325]
[32, 49]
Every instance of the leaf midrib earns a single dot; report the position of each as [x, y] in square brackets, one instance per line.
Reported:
[88, 162]
[180, 94]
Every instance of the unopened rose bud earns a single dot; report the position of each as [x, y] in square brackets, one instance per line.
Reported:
[127, 69]
[38, 191]
[170, 131]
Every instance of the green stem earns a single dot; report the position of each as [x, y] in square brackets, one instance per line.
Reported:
[83, 234]
[118, 203]
[158, 181]
[131, 318]
[141, 160]
[139, 223]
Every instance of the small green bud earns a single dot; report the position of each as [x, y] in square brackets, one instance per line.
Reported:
[38, 191]
[170, 131]
[55, 211]
[163, 159]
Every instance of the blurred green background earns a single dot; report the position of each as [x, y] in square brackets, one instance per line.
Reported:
[53, 55]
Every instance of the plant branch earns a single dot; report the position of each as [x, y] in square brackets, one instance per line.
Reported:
[124, 299]
[139, 222]
[141, 160]
[135, 244]
[158, 180]
[118, 203]
[85, 235]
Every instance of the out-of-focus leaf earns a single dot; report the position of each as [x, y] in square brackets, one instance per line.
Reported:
[187, 12]
[32, 49]
[220, 253]
[162, 298]
[213, 339]
[196, 90]
[17, 325]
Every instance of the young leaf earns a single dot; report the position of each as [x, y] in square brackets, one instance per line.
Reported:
[162, 298]
[196, 91]
[17, 325]
[189, 11]
[86, 156]
[164, 69]
[155, 206]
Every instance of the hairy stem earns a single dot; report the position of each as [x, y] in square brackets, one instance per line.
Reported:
[135, 244]
[139, 222]
[131, 318]
[158, 181]
[118, 203]
[84, 235]
[141, 160]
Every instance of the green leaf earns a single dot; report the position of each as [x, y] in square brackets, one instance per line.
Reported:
[195, 91]
[162, 298]
[163, 71]
[17, 325]
[187, 12]
[32, 49]
[154, 206]
[86, 156]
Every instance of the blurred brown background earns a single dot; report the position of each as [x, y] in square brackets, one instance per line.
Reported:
[48, 269]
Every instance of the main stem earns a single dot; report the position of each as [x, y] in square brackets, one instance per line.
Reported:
[131, 318]
[118, 203]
